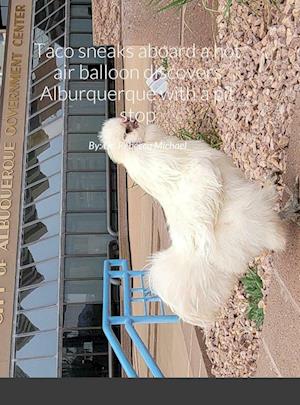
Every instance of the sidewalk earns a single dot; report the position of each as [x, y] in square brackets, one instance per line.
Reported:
[280, 348]
[135, 22]
[176, 348]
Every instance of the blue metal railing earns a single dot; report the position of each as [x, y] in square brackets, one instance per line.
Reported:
[127, 318]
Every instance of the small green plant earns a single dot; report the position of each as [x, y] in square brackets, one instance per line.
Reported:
[253, 286]
[163, 6]
[172, 4]
[211, 137]
[185, 135]
[165, 64]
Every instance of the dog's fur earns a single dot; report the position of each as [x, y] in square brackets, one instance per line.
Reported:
[218, 221]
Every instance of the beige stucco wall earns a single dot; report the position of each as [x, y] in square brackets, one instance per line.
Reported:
[13, 121]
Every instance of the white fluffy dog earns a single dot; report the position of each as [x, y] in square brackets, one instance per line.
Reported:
[218, 221]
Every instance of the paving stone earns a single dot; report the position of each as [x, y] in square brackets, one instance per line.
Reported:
[281, 331]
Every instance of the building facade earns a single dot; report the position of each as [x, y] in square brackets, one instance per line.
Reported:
[58, 197]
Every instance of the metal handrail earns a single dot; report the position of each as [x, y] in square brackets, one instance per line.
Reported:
[127, 319]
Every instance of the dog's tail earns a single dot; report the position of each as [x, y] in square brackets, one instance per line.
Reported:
[189, 285]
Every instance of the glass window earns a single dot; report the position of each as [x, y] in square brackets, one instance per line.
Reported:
[83, 291]
[87, 107]
[44, 189]
[81, 11]
[55, 4]
[39, 104]
[86, 222]
[94, 57]
[47, 70]
[77, 40]
[81, 25]
[81, 142]
[87, 161]
[86, 201]
[87, 244]
[46, 116]
[44, 152]
[40, 35]
[84, 342]
[98, 85]
[40, 251]
[84, 125]
[42, 209]
[48, 86]
[39, 272]
[85, 366]
[37, 320]
[84, 267]
[45, 134]
[39, 4]
[45, 64]
[43, 170]
[86, 181]
[41, 344]
[75, 72]
[36, 368]
[85, 64]
[3, 15]
[36, 176]
[54, 17]
[41, 55]
[42, 296]
[82, 315]
[42, 229]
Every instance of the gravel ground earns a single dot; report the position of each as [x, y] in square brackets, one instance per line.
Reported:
[249, 100]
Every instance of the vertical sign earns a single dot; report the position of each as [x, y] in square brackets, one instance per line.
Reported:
[13, 121]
